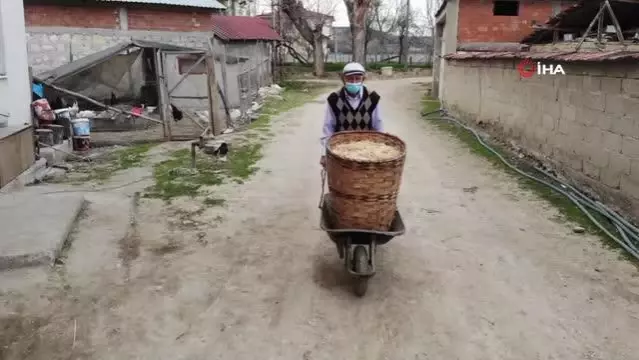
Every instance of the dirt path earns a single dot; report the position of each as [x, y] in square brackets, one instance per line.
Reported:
[482, 274]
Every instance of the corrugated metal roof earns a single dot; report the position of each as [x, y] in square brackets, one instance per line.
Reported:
[238, 28]
[100, 56]
[208, 4]
[568, 56]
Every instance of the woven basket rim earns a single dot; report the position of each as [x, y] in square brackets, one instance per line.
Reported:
[377, 133]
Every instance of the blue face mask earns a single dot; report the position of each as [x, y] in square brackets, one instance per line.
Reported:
[353, 88]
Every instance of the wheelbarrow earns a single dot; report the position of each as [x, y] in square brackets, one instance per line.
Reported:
[358, 247]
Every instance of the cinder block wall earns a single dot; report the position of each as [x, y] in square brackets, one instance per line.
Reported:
[57, 34]
[586, 122]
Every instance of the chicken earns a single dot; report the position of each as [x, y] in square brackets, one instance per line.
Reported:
[177, 114]
[219, 150]
[222, 150]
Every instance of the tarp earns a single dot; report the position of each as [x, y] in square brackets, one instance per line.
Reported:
[53, 76]
[87, 62]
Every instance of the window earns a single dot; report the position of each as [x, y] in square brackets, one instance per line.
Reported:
[505, 8]
[185, 63]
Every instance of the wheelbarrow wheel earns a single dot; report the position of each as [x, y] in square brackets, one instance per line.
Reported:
[360, 265]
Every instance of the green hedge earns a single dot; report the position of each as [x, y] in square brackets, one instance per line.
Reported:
[337, 67]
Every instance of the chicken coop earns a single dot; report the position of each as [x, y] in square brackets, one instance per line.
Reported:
[142, 91]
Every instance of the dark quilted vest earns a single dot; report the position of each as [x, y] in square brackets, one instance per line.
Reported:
[348, 118]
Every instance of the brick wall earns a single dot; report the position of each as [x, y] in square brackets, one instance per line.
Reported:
[478, 24]
[71, 16]
[154, 18]
[584, 122]
[57, 35]
[169, 20]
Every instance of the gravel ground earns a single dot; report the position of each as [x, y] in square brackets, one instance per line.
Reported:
[483, 271]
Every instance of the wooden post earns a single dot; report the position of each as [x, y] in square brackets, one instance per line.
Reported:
[592, 23]
[258, 56]
[164, 99]
[615, 22]
[600, 28]
[216, 121]
[250, 71]
[224, 80]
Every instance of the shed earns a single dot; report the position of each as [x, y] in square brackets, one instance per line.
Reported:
[127, 74]
[246, 37]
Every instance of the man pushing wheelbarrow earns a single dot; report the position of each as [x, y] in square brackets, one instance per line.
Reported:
[352, 107]
[364, 168]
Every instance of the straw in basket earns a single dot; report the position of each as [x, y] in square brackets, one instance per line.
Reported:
[364, 193]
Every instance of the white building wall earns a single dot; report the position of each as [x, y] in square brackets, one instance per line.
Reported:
[15, 90]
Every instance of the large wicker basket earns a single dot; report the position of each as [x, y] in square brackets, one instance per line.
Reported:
[364, 194]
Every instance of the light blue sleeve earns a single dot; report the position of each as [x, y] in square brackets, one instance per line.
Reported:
[377, 123]
[328, 128]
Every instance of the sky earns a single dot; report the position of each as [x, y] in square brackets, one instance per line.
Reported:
[341, 19]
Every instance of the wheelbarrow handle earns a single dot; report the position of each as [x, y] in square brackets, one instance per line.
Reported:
[323, 175]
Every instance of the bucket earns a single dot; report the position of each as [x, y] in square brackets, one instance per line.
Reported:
[81, 143]
[81, 127]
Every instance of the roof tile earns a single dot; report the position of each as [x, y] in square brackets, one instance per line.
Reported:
[234, 28]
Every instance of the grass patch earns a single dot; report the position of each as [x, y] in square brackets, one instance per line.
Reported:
[242, 164]
[568, 211]
[176, 177]
[102, 169]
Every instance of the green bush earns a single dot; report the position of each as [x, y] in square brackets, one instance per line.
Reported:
[338, 66]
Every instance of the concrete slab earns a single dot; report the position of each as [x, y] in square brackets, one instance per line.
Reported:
[29, 176]
[35, 227]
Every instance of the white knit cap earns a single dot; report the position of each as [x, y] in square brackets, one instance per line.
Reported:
[354, 69]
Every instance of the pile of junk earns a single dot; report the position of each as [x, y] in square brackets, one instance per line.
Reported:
[60, 121]
[63, 120]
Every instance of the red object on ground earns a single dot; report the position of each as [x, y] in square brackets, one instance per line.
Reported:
[81, 143]
[137, 110]
[43, 111]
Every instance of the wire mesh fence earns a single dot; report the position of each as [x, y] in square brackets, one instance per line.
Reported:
[248, 68]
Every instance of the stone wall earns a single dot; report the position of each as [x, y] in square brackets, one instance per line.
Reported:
[50, 47]
[584, 122]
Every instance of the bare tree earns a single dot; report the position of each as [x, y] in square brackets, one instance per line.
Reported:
[404, 24]
[357, 15]
[381, 21]
[311, 22]
[431, 8]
